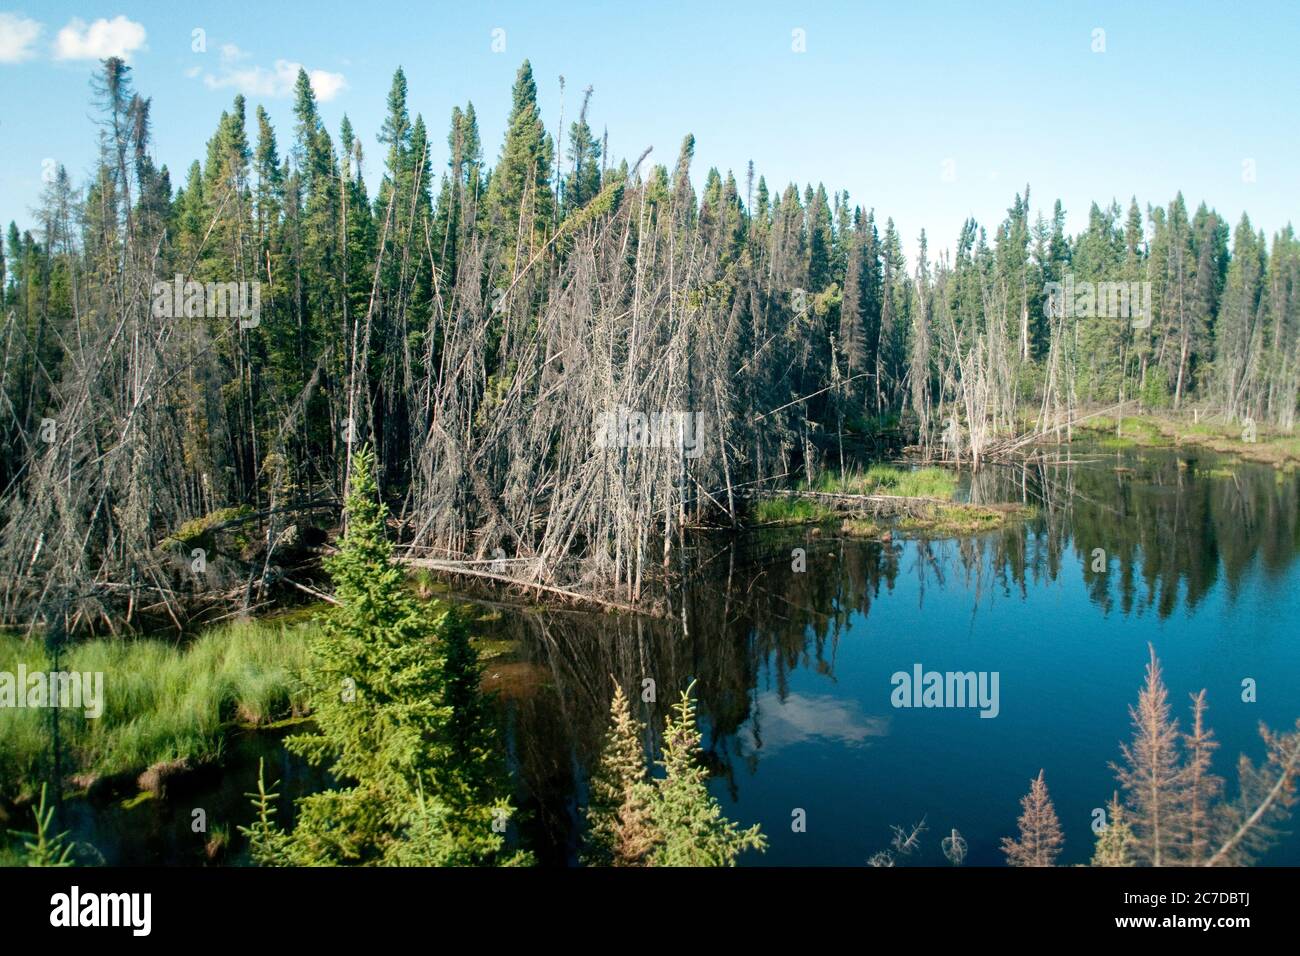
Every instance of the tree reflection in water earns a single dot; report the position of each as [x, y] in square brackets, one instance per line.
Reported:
[1171, 527]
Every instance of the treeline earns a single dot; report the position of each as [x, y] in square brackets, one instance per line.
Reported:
[477, 323]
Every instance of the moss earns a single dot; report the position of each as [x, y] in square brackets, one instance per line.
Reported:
[196, 529]
[141, 798]
[495, 648]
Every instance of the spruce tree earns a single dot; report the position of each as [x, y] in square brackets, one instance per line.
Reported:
[690, 822]
[1040, 831]
[1152, 775]
[583, 181]
[520, 194]
[41, 847]
[376, 686]
[268, 845]
[471, 786]
[619, 829]
[1203, 788]
[1115, 841]
[403, 728]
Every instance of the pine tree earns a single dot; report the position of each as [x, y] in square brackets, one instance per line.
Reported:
[690, 821]
[1040, 831]
[619, 829]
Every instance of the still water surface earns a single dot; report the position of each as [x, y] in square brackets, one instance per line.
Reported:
[793, 669]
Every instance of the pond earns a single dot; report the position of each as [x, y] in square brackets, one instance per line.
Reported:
[795, 669]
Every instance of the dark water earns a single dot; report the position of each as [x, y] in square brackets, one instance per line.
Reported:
[793, 669]
[126, 831]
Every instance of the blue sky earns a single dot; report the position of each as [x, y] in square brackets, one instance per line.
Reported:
[882, 98]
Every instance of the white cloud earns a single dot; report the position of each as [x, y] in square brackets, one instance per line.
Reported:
[800, 718]
[104, 38]
[326, 85]
[17, 36]
[278, 81]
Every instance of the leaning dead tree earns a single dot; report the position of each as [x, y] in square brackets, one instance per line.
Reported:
[584, 457]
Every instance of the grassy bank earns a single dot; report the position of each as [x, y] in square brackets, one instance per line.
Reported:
[938, 517]
[161, 702]
[783, 511]
[1279, 449]
[874, 480]
[959, 521]
[1130, 431]
[888, 480]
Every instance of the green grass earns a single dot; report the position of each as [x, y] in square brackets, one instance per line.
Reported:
[1279, 449]
[791, 511]
[161, 702]
[1128, 432]
[875, 480]
[889, 480]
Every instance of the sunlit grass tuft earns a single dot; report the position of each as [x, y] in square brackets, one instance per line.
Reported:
[791, 511]
[878, 479]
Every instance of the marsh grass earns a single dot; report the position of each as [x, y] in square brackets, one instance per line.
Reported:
[959, 521]
[861, 528]
[791, 511]
[1128, 432]
[162, 702]
[878, 479]
[1276, 448]
[874, 480]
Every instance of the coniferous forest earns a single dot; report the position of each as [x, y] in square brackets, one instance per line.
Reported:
[420, 500]
[475, 321]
